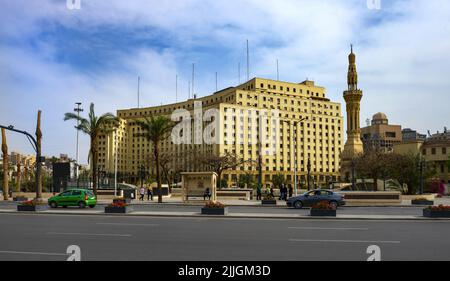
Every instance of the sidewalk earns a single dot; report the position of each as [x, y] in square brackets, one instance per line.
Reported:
[176, 201]
[232, 215]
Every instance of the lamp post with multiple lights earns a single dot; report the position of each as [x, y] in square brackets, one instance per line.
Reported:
[295, 123]
[78, 109]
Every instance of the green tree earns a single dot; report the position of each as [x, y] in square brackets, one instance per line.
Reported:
[448, 164]
[406, 169]
[246, 179]
[220, 163]
[155, 130]
[373, 164]
[94, 126]
[165, 161]
[278, 180]
[223, 182]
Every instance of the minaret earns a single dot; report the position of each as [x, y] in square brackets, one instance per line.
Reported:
[352, 96]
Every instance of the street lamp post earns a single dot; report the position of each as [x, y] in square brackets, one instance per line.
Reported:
[78, 109]
[98, 177]
[115, 164]
[421, 167]
[295, 123]
[353, 175]
[141, 175]
[259, 155]
[308, 166]
[37, 148]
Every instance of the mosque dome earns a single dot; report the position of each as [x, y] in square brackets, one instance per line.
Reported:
[379, 118]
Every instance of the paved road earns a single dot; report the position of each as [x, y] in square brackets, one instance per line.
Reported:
[410, 210]
[46, 237]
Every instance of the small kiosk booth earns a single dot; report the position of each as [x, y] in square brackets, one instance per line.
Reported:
[194, 185]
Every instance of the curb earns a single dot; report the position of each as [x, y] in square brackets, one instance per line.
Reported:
[198, 215]
[238, 205]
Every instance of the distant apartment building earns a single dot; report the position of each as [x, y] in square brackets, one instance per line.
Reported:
[412, 135]
[436, 149]
[25, 160]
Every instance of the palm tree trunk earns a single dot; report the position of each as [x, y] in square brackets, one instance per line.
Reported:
[167, 178]
[94, 165]
[5, 166]
[39, 150]
[19, 176]
[158, 176]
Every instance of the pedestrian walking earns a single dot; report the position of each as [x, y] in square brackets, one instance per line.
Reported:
[291, 190]
[142, 193]
[149, 194]
[282, 192]
[258, 193]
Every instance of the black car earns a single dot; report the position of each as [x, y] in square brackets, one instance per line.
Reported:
[309, 198]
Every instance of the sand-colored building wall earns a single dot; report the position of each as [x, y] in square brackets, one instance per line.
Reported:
[319, 137]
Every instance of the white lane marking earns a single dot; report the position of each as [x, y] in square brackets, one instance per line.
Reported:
[32, 253]
[343, 241]
[129, 224]
[89, 234]
[327, 228]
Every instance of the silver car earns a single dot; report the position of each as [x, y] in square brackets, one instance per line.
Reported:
[309, 198]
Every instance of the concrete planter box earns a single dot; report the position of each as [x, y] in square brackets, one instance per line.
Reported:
[30, 208]
[436, 214]
[422, 202]
[268, 202]
[20, 198]
[118, 210]
[215, 211]
[322, 213]
[125, 201]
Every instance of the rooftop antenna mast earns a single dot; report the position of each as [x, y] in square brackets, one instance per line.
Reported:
[248, 64]
[139, 80]
[189, 89]
[278, 73]
[176, 88]
[193, 77]
[216, 81]
[239, 72]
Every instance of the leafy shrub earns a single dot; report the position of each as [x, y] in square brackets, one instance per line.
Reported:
[118, 204]
[420, 199]
[439, 208]
[214, 205]
[32, 203]
[323, 205]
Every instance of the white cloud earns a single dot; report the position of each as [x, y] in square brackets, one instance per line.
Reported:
[402, 55]
[54, 88]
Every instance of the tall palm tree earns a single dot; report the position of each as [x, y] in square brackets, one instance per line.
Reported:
[93, 126]
[5, 167]
[155, 129]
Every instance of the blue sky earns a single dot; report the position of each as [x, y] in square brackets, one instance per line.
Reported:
[52, 57]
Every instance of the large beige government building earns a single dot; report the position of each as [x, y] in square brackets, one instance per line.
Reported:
[317, 134]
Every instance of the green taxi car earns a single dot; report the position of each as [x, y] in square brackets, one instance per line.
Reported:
[73, 197]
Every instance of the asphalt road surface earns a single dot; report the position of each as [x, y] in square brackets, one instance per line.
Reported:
[46, 237]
